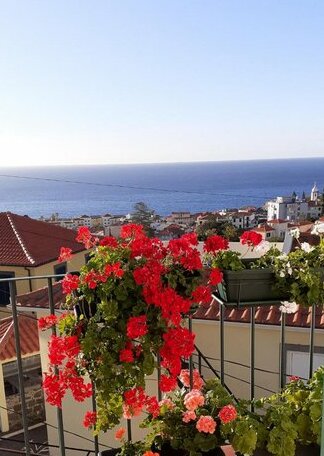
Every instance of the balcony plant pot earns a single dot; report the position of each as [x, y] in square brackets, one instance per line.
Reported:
[249, 286]
[166, 450]
[301, 450]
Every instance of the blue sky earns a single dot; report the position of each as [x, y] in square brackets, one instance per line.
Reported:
[130, 81]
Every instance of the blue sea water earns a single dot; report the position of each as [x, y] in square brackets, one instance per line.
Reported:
[181, 186]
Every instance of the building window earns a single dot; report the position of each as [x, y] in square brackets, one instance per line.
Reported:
[297, 360]
[5, 288]
[60, 269]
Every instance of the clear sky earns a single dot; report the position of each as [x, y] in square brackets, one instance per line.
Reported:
[126, 81]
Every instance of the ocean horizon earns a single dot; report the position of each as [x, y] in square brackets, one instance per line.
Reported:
[195, 186]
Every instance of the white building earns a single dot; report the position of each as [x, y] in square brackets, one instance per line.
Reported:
[243, 219]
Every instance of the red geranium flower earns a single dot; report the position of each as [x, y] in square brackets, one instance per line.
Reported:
[65, 254]
[109, 241]
[251, 238]
[70, 283]
[215, 243]
[90, 419]
[167, 383]
[216, 276]
[47, 322]
[136, 327]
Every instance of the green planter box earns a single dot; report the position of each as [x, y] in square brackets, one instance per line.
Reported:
[249, 286]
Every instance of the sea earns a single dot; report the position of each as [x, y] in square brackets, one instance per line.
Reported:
[114, 189]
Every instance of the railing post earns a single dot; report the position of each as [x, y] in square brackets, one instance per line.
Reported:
[222, 348]
[59, 413]
[282, 351]
[311, 341]
[129, 430]
[252, 355]
[94, 409]
[19, 366]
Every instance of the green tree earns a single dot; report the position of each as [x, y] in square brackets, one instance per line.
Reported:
[143, 215]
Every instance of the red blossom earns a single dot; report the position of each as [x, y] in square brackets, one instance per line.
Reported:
[216, 276]
[152, 406]
[178, 343]
[227, 414]
[137, 327]
[251, 238]
[132, 231]
[90, 419]
[119, 434]
[215, 243]
[91, 279]
[201, 294]
[84, 237]
[167, 383]
[47, 322]
[134, 401]
[109, 241]
[65, 254]
[172, 305]
[54, 389]
[148, 248]
[70, 283]
[114, 269]
[294, 378]
[126, 356]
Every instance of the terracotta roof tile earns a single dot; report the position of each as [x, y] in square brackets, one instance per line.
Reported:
[28, 332]
[39, 298]
[28, 242]
[266, 315]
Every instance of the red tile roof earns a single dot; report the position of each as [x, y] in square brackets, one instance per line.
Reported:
[28, 242]
[39, 298]
[263, 229]
[265, 315]
[28, 333]
[277, 221]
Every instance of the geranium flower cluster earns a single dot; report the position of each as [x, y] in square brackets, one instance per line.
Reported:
[188, 417]
[138, 291]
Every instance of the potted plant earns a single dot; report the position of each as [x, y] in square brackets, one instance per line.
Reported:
[291, 419]
[131, 301]
[274, 277]
[241, 282]
[191, 421]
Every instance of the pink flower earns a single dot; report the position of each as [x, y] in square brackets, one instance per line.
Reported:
[193, 400]
[185, 379]
[167, 403]
[294, 378]
[188, 416]
[206, 424]
[227, 414]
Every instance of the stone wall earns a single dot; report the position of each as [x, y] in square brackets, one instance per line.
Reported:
[35, 407]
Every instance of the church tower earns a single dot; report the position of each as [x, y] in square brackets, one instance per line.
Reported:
[314, 193]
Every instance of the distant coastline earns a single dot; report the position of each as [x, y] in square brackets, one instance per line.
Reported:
[167, 187]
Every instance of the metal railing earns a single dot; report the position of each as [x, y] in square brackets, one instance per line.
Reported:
[198, 360]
